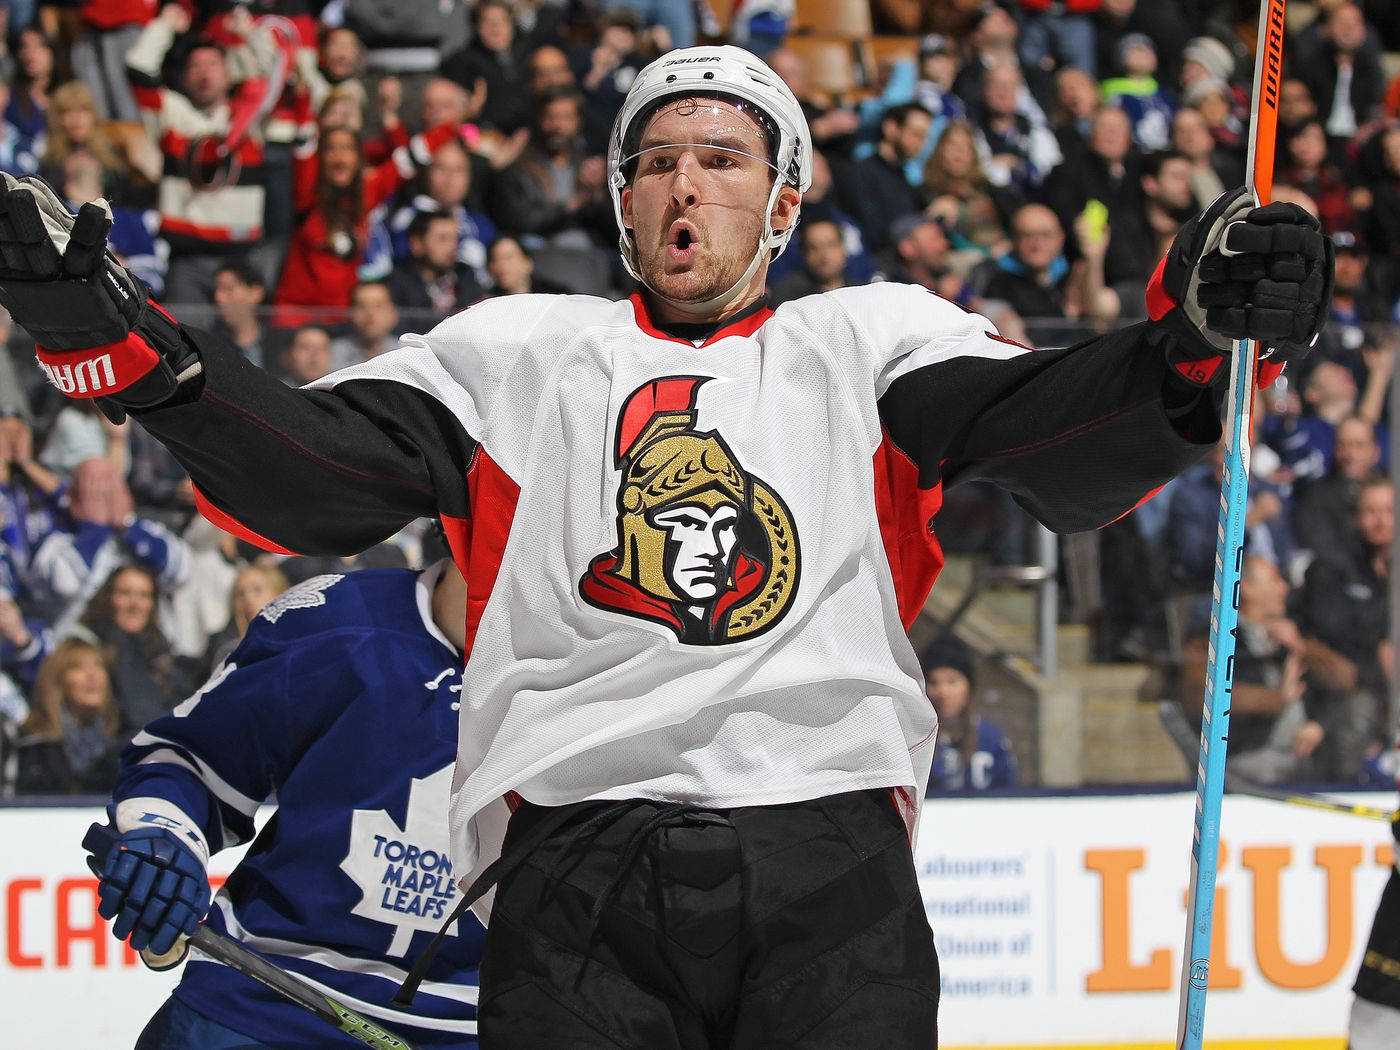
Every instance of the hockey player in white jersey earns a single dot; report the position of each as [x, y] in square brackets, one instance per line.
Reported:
[695, 528]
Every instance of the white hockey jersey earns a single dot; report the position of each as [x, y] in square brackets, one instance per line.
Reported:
[690, 561]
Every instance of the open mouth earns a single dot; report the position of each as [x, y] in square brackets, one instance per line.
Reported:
[683, 238]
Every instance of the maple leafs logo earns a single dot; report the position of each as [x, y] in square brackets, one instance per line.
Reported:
[309, 594]
[404, 874]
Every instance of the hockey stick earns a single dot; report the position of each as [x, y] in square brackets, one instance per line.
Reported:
[100, 839]
[1184, 737]
[1229, 556]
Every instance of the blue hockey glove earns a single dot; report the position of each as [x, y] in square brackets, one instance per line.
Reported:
[1241, 272]
[153, 887]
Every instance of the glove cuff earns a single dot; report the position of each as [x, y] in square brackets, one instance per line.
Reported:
[141, 370]
[136, 814]
[99, 371]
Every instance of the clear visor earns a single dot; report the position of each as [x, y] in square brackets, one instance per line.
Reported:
[662, 158]
[717, 131]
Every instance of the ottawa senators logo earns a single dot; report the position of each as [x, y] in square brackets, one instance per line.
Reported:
[702, 546]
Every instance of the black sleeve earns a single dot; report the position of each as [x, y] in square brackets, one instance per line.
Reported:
[314, 472]
[1078, 436]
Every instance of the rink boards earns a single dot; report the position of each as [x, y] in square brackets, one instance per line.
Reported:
[1059, 921]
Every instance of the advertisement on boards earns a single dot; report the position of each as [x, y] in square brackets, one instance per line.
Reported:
[1060, 923]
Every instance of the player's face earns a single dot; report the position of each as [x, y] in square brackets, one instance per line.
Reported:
[700, 542]
[133, 602]
[697, 211]
[948, 690]
[85, 684]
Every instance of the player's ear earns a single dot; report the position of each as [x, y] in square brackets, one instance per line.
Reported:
[785, 208]
[626, 199]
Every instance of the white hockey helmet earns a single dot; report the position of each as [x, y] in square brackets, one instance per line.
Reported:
[723, 72]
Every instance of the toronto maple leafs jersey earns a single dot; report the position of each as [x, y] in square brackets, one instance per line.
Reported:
[690, 553]
[341, 702]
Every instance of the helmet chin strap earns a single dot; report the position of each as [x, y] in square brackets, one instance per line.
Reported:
[706, 309]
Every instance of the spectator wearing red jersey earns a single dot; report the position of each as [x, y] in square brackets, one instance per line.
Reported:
[212, 197]
[334, 196]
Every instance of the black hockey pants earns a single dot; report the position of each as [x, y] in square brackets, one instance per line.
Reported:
[649, 926]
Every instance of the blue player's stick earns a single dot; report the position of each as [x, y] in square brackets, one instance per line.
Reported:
[1229, 557]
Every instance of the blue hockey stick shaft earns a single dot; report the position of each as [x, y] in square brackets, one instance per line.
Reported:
[1229, 559]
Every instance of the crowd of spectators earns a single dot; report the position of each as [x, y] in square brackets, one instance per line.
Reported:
[313, 179]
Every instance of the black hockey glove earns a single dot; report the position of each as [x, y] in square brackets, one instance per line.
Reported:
[1240, 272]
[98, 333]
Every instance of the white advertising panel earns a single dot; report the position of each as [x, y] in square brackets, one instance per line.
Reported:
[1060, 923]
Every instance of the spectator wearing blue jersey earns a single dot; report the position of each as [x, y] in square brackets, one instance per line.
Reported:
[972, 753]
[17, 154]
[31, 499]
[342, 698]
[447, 185]
[24, 644]
[1138, 94]
[101, 533]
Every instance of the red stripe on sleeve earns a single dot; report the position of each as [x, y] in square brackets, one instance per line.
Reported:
[235, 527]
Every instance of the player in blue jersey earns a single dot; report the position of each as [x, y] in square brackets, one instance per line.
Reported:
[342, 702]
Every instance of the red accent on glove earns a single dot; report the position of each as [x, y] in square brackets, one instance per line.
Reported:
[163, 311]
[98, 371]
[1268, 372]
[1199, 372]
[1159, 303]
